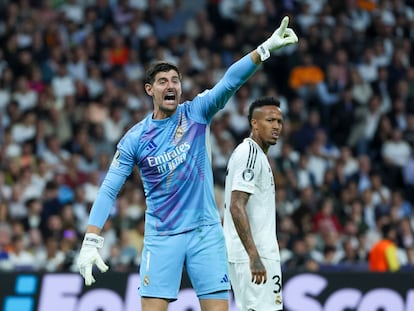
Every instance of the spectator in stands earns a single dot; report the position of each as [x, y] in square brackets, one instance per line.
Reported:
[397, 114]
[400, 205]
[305, 177]
[54, 154]
[362, 175]
[16, 202]
[314, 246]
[382, 134]
[317, 162]
[325, 219]
[383, 255]
[307, 206]
[370, 210]
[371, 117]
[381, 193]
[382, 88]
[361, 90]
[367, 68]
[405, 236]
[306, 132]
[305, 77]
[62, 83]
[351, 257]
[169, 22]
[54, 256]
[5, 246]
[25, 128]
[119, 52]
[329, 92]
[20, 258]
[301, 260]
[26, 98]
[343, 118]
[395, 155]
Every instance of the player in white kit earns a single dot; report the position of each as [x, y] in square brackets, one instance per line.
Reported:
[250, 213]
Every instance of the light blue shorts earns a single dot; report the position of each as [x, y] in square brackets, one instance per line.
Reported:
[203, 253]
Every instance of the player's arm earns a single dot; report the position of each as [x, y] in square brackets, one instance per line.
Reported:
[120, 168]
[92, 240]
[239, 72]
[241, 222]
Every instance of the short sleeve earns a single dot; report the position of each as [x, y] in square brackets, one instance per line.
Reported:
[246, 168]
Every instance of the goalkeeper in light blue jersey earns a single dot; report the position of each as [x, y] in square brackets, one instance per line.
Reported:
[171, 149]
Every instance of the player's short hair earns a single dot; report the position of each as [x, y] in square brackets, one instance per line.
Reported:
[157, 67]
[260, 102]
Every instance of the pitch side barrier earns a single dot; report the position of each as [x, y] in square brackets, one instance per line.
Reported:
[338, 291]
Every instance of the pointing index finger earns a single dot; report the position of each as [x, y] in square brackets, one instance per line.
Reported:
[284, 24]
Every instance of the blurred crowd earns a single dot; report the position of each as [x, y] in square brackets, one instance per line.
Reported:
[71, 83]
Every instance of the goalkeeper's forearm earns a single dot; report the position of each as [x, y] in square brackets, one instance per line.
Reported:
[105, 198]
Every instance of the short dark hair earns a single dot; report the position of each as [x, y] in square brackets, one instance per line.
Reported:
[260, 102]
[386, 229]
[157, 67]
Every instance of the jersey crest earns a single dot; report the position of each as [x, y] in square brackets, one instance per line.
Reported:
[248, 174]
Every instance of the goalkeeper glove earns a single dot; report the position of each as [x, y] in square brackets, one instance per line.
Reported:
[281, 37]
[89, 256]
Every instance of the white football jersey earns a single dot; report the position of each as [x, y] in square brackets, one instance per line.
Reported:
[249, 171]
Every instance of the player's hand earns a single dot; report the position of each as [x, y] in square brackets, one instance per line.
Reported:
[258, 271]
[89, 256]
[282, 36]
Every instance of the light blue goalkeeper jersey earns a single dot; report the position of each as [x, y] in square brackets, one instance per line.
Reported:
[174, 159]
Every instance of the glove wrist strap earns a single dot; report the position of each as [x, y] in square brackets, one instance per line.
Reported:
[263, 52]
[93, 239]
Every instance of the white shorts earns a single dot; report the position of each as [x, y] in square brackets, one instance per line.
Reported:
[258, 297]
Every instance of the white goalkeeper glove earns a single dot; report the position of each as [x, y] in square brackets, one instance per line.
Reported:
[281, 37]
[89, 256]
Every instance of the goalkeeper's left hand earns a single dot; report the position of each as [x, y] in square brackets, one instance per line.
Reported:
[282, 36]
[89, 256]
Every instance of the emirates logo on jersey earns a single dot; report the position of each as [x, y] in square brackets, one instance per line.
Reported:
[248, 174]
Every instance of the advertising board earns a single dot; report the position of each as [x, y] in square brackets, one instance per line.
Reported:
[119, 292]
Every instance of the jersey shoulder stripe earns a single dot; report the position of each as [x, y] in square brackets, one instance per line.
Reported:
[251, 160]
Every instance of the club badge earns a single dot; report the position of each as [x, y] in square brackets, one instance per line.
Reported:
[146, 280]
[278, 299]
[179, 132]
[248, 174]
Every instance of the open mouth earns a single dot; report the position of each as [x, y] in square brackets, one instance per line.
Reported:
[169, 96]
